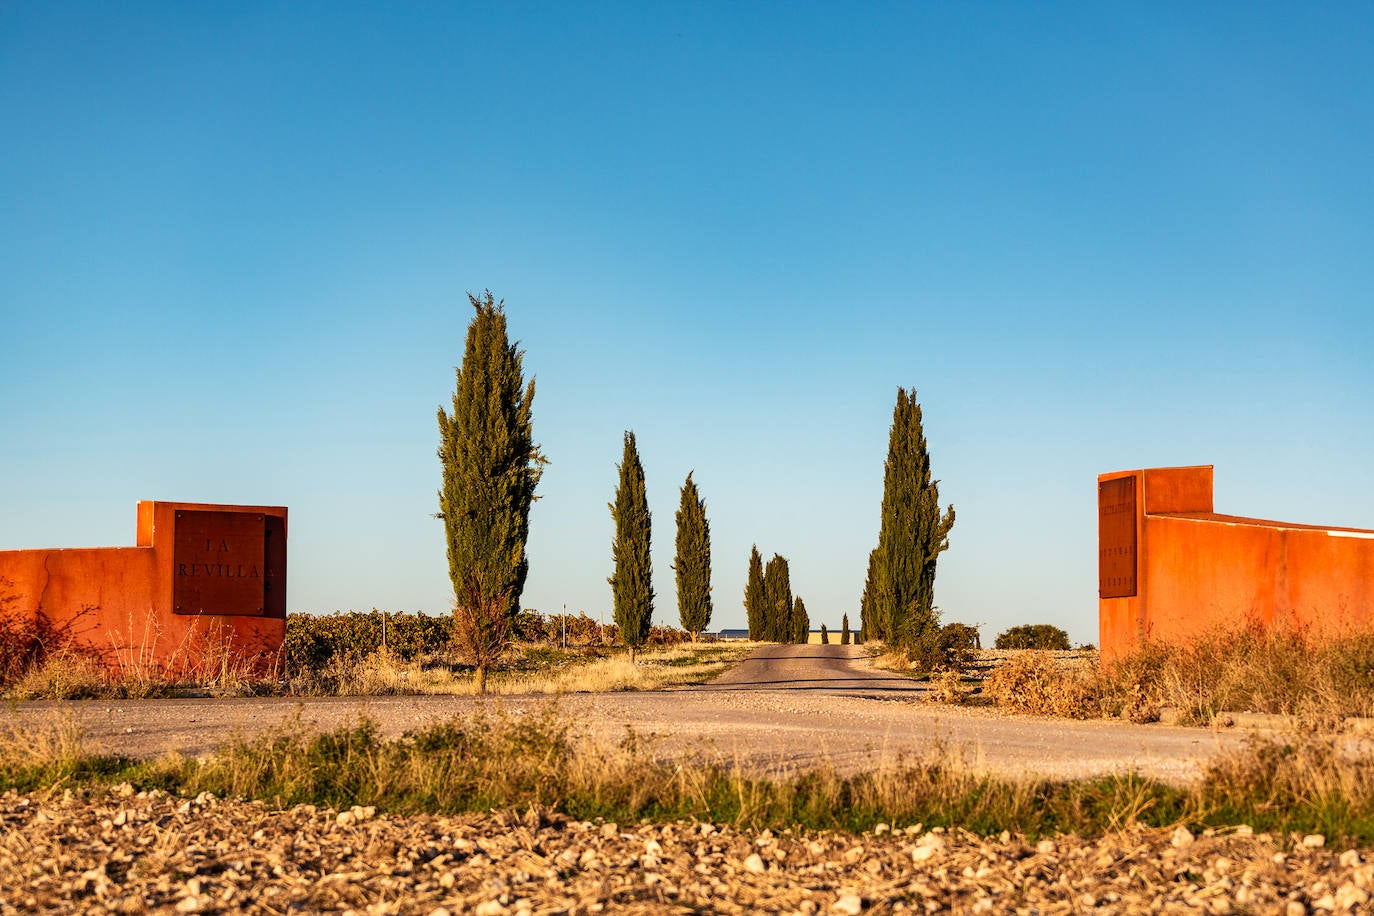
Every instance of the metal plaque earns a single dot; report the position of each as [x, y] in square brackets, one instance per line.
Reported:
[275, 573]
[219, 563]
[1116, 534]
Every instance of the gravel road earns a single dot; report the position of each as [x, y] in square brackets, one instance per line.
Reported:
[784, 707]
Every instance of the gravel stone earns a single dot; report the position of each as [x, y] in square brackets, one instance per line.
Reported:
[205, 855]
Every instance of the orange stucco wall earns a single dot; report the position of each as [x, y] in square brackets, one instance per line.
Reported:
[118, 602]
[1198, 571]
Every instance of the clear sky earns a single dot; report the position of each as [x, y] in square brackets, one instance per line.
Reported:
[236, 238]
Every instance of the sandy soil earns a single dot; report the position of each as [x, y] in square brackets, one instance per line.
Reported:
[784, 707]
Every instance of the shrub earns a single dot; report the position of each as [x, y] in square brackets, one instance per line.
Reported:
[1033, 636]
[947, 686]
[951, 646]
[313, 641]
[1034, 683]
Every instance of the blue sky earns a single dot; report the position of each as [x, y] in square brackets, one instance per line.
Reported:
[235, 242]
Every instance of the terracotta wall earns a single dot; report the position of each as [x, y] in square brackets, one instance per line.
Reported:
[205, 586]
[1195, 570]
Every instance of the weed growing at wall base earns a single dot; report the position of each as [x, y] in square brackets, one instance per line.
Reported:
[1287, 672]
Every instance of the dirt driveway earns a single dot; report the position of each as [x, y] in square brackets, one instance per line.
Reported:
[783, 707]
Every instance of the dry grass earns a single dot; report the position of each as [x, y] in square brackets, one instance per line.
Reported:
[62, 676]
[205, 660]
[653, 670]
[1285, 672]
[531, 670]
[51, 756]
[379, 673]
[490, 760]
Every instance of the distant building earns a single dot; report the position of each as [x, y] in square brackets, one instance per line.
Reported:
[732, 634]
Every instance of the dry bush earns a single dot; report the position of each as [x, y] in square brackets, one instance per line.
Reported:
[1282, 671]
[947, 686]
[1033, 682]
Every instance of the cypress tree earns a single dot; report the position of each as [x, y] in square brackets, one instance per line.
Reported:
[491, 466]
[692, 565]
[777, 592]
[868, 603]
[844, 630]
[755, 599]
[825, 636]
[800, 623]
[631, 584]
[913, 534]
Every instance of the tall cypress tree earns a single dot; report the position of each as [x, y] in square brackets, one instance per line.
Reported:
[868, 603]
[777, 594]
[800, 623]
[844, 630]
[913, 534]
[491, 467]
[632, 582]
[755, 599]
[692, 565]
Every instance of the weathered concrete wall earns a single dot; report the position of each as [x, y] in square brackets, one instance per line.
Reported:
[204, 587]
[1196, 571]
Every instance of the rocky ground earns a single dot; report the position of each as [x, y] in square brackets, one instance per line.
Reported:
[120, 852]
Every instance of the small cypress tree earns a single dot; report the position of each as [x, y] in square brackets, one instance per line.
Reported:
[912, 536]
[844, 631]
[491, 467]
[825, 636]
[755, 600]
[777, 591]
[632, 581]
[692, 565]
[800, 623]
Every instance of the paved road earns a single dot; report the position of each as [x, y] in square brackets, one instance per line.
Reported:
[784, 707]
[825, 670]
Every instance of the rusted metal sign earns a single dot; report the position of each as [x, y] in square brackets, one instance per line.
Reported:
[1116, 538]
[219, 563]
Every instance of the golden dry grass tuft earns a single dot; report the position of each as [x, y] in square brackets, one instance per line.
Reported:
[62, 676]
